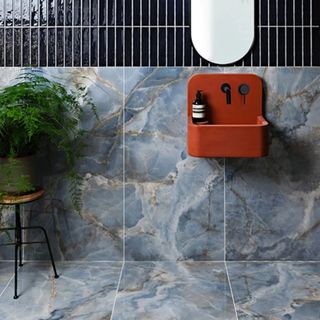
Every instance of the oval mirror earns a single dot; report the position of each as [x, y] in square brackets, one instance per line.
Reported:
[222, 31]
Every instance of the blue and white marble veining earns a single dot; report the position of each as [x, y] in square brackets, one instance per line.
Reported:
[96, 234]
[174, 290]
[272, 207]
[276, 291]
[6, 272]
[174, 203]
[84, 290]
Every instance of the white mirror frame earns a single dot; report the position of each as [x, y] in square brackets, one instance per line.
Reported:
[222, 31]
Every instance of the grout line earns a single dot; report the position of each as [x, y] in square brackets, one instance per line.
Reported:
[231, 291]
[117, 291]
[6, 287]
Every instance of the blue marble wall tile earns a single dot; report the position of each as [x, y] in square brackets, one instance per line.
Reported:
[96, 234]
[286, 290]
[174, 290]
[272, 207]
[174, 203]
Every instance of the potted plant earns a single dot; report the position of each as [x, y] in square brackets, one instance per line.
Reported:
[34, 113]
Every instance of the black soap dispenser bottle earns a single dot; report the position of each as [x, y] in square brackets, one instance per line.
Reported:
[199, 110]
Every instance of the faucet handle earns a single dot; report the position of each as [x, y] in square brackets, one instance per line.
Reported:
[244, 89]
[226, 88]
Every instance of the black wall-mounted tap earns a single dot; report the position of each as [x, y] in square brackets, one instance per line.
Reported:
[227, 90]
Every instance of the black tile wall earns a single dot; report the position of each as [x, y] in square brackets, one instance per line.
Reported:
[145, 33]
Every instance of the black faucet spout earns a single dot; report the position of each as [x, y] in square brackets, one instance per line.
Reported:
[226, 88]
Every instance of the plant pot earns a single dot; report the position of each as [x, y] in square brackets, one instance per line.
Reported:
[18, 175]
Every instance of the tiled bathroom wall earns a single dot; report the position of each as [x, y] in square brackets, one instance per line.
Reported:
[145, 33]
[145, 198]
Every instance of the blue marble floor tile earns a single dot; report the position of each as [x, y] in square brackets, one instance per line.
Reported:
[174, 290]
[174, 202]
[276, 291]
[83, 291]
[6, 273]
[272, 203]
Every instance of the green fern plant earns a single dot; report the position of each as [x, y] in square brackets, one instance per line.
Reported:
[36, 112]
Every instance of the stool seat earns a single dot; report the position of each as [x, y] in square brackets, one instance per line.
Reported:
[24, 198]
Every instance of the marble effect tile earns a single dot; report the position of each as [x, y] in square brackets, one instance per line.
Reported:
[276, 291]
[174, 203]
[174, 290]
[272, 204]
[83, 291]
[6, 273]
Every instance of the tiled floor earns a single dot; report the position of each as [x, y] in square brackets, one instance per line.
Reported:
[163, 290]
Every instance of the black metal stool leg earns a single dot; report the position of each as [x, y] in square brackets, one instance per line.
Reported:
[18, 246]
[50, 252]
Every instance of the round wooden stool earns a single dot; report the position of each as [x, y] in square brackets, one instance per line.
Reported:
[17, 200]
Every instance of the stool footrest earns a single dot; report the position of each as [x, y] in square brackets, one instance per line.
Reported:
[21, 243]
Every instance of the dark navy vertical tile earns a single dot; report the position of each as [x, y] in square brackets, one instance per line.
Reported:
[179, 47]
[43, 47]
[94, 12]
[43, 12]
[26, 46]
[306, 12]
[17, 47]
[77, 19]
[298, 47]
[145, 47]
[273, 13]
[281, 47]
[162, 46]
[136, 13]
[51, 13]
[8, 11]
[77, 47]
[289, 13]
[273, 47]
[264, 47]
[128, 46]
[69, 13]
[111, 16]
[154, 45]
[289, 42]
[119, 12]
[154, 13]
[111, 46]
[68, 39]
[145, 12]
[34, 13]
[102, 12]
[247, 59]
[94, 47]
[102, 47]
[2, 47]
[9, 47]
[264, 13]
[170, 47]
[60, 47]
[187, 47]
[195, 58]
[128, 13]
[298, 12]
[136, 47]
[170, 12]
[281, 13]
[316, 33]
[86, 12]
[179, 12]
[119, 47]
[256, 45]
[60, 12]
[17, 19]
[85, 48]
[187, 12]
[163, 12]
[34, 47]
[51, 47]
[306, 47]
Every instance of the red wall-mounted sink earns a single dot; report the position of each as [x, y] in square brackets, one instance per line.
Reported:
[235, 130]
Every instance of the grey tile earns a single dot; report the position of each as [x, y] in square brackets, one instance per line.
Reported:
[6, 273]
[83, 291]
[286, 290]
[174, 290]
